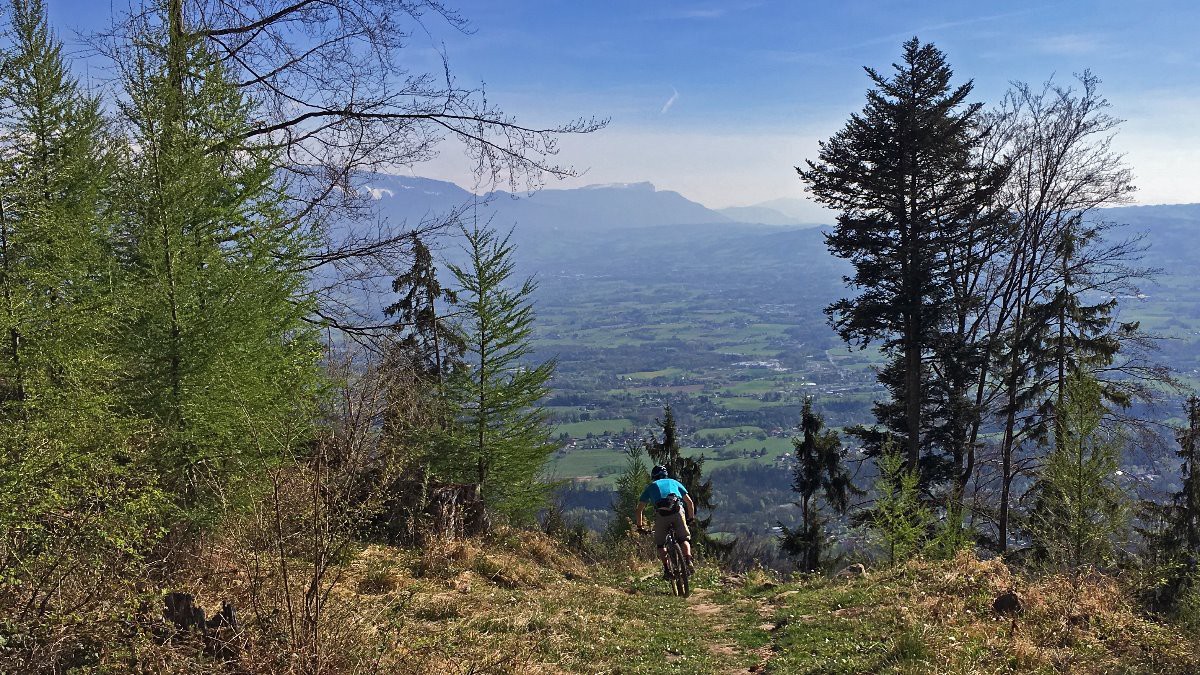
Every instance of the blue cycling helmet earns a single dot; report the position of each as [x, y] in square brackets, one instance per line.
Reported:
[659, 472]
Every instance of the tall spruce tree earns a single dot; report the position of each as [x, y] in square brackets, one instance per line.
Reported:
[502, 439]
[905, 178]
[819, 476]
[217, 355]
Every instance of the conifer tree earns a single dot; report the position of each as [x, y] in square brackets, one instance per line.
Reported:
[629, 486]
[686, 470]
[1187, 500]
[1171, 530]
[819, 476]
[1078, 508]
[898, 516]
[218, 358]
[429, 340]
[502, 439]
[72, 498]
[905, 179]
[55, 224]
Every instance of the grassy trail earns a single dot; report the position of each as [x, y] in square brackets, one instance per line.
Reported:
[519, 603]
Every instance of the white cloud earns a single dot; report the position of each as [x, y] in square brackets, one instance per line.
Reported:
[670, 102]
[1070, 44]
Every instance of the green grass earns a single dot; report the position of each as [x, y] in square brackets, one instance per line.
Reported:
[744, 404]
[576, 463]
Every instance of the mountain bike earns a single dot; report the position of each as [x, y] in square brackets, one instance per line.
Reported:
[680, 574]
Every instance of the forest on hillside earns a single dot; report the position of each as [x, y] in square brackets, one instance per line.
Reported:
[225, 378]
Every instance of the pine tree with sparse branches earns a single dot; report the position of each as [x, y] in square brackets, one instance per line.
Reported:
[821, 480]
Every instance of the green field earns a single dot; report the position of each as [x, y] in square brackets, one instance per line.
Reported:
[605, 464]
[743, 403]
[775, 446]
[593, 427]
[726, 432]
[651, 374]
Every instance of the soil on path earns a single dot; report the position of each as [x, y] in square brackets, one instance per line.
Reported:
[717, 618]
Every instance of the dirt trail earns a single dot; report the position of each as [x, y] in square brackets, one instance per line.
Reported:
[716, 617]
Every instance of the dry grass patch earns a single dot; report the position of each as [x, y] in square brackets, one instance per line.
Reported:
[937, 617]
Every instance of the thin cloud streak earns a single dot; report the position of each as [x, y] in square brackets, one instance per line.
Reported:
[670, 102]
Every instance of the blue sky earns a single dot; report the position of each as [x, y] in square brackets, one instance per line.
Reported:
[719, 100]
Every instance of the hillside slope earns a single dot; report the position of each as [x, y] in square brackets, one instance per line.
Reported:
[519, 603]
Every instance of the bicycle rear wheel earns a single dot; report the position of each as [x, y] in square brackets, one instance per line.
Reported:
[679, 583]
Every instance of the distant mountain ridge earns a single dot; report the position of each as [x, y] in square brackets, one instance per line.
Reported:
[593, 208]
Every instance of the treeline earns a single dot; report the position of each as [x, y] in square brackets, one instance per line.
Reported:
[985, 273]
[194, 374]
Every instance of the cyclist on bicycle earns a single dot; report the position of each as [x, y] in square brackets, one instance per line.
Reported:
[669, 498]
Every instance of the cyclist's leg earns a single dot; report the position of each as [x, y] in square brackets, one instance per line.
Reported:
[660, 542]
[683, 534]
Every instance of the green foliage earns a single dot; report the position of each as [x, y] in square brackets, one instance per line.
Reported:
[898, 517]
[1078, 508]
[819, 475]
[502, 439]
[629, 487]
[75, 501]
[1171, 531]
[1186, 502]
[1187, 609]
[950, 536]
[218, 358]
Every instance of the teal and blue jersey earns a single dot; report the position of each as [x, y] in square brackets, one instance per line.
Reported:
[660, 489]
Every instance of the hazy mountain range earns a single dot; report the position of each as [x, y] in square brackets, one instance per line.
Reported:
[595, 207]
[657, 238]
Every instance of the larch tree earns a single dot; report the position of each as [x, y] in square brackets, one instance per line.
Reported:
[1078, 507]
[217, 357]
[629, 486]
[72, 498]
[501, 440]
[338, 97]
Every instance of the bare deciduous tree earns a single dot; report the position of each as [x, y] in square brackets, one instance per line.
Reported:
[338, 100]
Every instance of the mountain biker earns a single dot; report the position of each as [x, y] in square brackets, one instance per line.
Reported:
[669, 498]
